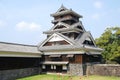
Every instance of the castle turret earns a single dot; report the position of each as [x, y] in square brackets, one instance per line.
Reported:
[66, 22]
[65, 15]
[68, 44]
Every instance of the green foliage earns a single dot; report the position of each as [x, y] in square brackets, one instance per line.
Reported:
[110, 42]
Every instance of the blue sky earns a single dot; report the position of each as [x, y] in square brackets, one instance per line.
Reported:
[23, 21]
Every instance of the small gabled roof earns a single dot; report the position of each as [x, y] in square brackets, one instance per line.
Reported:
[58, 34]
[68, 28]
[78, 24]
[60, 23]
[85, 36]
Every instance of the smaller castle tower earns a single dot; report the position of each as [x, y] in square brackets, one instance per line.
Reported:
[68, 45]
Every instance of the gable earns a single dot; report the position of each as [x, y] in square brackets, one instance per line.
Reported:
[62, 9]
[55, 39]
[56, 43]
[79, 26]
[88, 41]
[60, 25]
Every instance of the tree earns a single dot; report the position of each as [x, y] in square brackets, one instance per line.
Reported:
[110, 42]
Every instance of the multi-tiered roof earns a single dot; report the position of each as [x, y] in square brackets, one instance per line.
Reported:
[68, 34]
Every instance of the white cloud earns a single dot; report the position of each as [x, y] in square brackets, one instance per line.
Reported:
[27, 26]
[96, 16]
[98, 4]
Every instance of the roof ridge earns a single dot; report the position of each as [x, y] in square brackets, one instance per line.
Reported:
[18, 44]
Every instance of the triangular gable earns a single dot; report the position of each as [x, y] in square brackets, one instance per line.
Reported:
[55, 37]
[86, 37]
[88, 41]
[91, 37]
[60, 24]
[59, 27]
[79, 26]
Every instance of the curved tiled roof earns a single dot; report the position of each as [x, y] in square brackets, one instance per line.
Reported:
[66, 12]
[70, 47]
[79, 43]
[14, 47]
[63, 11]
[69, 28]
[64, 30]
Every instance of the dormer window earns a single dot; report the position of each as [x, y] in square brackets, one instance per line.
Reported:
[61, 16]
[87, 42]
[60, 27]
[62, 10]
[79, 27]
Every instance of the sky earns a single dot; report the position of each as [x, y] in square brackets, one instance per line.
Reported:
[23, 21]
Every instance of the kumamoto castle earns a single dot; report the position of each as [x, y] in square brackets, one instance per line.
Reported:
[67, 49]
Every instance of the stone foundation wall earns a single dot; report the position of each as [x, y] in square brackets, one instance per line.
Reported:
[75, 69]
[103, 69]
[18, 73]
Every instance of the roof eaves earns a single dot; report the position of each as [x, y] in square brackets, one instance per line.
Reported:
[14, 47]
[62, 30]
[17, 44]
[66, 12]
[60, 23]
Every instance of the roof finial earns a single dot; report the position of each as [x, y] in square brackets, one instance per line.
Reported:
[62, 6]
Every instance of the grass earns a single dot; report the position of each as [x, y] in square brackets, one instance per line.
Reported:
[61, 77]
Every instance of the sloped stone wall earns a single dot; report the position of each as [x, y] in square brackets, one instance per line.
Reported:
[75, 69]
[103, 69]
[18, 73]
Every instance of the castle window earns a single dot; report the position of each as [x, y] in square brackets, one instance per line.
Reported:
[62, 10]
[88, 43]
[43, 66]
[52, 66]
[59, 27]
[64, 67]
[61, 16]
[79, 27]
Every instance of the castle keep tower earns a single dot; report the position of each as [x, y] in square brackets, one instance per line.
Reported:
[68, 45]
